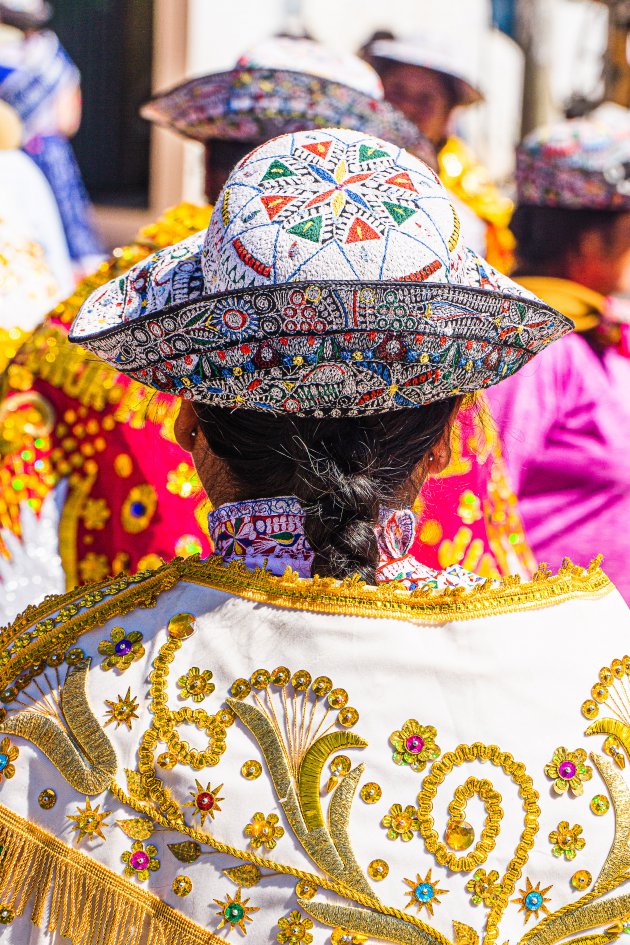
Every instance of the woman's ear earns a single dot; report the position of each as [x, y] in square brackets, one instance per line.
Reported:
[440, 455]
[187, 426]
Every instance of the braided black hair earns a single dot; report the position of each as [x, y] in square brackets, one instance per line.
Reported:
[342, 470]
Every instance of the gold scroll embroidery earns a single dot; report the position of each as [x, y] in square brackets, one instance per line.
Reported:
[72, 739]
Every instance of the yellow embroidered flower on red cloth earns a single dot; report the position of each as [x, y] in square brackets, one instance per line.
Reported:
[264, 831]
[196, 684]
[294, 929]
[484, 887]
[401, 824]
[140, 860]
[414, 745]
[94, 567]
[8, 754]
[566, 841]
[122, 649]
[95, 514]
[568, 771]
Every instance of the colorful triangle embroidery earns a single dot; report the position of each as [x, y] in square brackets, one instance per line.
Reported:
[360, 231]
[274, 205]
[397, 212]
[308, 229]
[401, 180]
[276, 170]
[368, 153]
[319, 148]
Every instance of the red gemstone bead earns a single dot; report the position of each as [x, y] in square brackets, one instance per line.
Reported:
[205, 801]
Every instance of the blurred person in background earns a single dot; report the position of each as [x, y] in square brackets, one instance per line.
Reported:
[40, 81]
[69, 423]
[565, 421]
[429, 78]
[28, 206]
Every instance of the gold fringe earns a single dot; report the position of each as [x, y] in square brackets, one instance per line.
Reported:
[83, 900]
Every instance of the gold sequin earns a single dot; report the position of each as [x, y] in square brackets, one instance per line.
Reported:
[251, 770]
[305, 889]
[167, 760]
[378, 869]
[89, 821]
[123, 711]
[7, 915]
[264, 831]
[47, 799]
[181, 626]
[459, 835]
[340, 765]
[182, 886]
[371, 792]
[600, 805]
[348, 717]
[424, 893]
[533, 900]
[581, 880]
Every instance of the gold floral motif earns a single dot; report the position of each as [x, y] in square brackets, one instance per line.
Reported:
[95, 514]
[196, 685]
[294, 929]
[566, 841]
[93, 567]
[8, 754]
[205, 801]
[533, 900]
[484, 887]
[140, 861]
[123, 711]
[401, 824]
[568, 771]
[264, 831]
[89, 821]
[123, 648]
[234, 912]
[424, 893]
[415, 745]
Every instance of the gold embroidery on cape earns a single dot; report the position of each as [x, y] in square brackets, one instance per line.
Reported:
[76, 896]
[66, 731]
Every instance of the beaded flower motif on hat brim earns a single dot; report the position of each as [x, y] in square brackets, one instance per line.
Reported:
[257, 104]
[337, 348]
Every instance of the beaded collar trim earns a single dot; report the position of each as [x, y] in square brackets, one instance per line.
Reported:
[269, 533]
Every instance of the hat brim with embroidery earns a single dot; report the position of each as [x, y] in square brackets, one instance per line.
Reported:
[434, 52]
[333, 279]
[579, 163]
[25, 16]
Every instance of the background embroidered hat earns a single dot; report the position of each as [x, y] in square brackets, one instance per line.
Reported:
[280, 86]
[332, 279]
[439, 52]
[581, 163]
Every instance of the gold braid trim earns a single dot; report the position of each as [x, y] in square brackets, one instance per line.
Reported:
[58, 622]
[82, 900]
[353, 596]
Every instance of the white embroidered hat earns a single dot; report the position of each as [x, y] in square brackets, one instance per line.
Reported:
[332, 279]
[282, 85]
[439, 52]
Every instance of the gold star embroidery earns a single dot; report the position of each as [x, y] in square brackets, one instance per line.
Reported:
[235, 912]
[88, 822]
[123, 711]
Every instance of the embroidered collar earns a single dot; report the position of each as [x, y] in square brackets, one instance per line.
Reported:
[270, 532]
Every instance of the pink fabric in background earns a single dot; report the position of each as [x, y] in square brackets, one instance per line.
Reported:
[565, 425]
